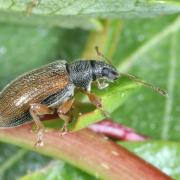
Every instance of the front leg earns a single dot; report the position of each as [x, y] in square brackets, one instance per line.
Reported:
[101, 85]
[96, 101]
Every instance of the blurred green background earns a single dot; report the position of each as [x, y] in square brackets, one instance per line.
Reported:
[141, 38]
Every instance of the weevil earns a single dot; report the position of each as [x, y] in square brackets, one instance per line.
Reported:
[51, 88]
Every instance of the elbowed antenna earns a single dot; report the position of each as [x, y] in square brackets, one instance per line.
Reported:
[134, 78]
[154, 88]
[102, 55]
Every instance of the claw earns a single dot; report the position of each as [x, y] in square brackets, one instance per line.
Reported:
[102, 85]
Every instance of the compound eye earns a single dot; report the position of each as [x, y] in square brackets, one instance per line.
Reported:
[105, 72]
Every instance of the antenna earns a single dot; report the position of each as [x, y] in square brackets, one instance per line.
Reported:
[136, 79]
[102, 55]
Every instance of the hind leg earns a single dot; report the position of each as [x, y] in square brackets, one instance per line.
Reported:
[37, 110]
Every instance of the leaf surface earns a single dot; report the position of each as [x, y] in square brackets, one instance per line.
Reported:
[71, 14]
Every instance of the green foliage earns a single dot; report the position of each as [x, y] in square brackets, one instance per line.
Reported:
[154, 57]
[71, 14]
[58, 170]
[146, 47]
[164, 155]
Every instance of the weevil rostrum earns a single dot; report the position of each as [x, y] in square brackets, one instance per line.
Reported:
[51, 88]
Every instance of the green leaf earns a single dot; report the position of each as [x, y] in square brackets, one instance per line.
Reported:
[152, 54]
[57, 170]
[50, 21]
[163, 154]
[81, 13]
[16, 161]
[101, 8]
[24, 48]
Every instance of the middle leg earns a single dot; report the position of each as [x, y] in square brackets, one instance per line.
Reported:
[62, 113]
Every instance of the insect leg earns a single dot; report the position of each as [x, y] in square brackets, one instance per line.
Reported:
[63, 110]
[37, 110]
[96, 101]
[101, 85]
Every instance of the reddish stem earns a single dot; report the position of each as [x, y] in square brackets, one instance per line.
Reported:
[116, 131]
[89, 151]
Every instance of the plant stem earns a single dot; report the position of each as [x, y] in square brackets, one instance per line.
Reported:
[88, 151]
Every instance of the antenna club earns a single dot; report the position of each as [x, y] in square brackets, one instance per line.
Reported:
[162, 92]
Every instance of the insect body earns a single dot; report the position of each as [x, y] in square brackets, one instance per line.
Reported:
[49, 88]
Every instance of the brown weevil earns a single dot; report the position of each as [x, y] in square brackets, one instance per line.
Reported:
[51, 87]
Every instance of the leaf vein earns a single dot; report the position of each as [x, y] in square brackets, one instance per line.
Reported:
[128, 62]
[170, 87]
